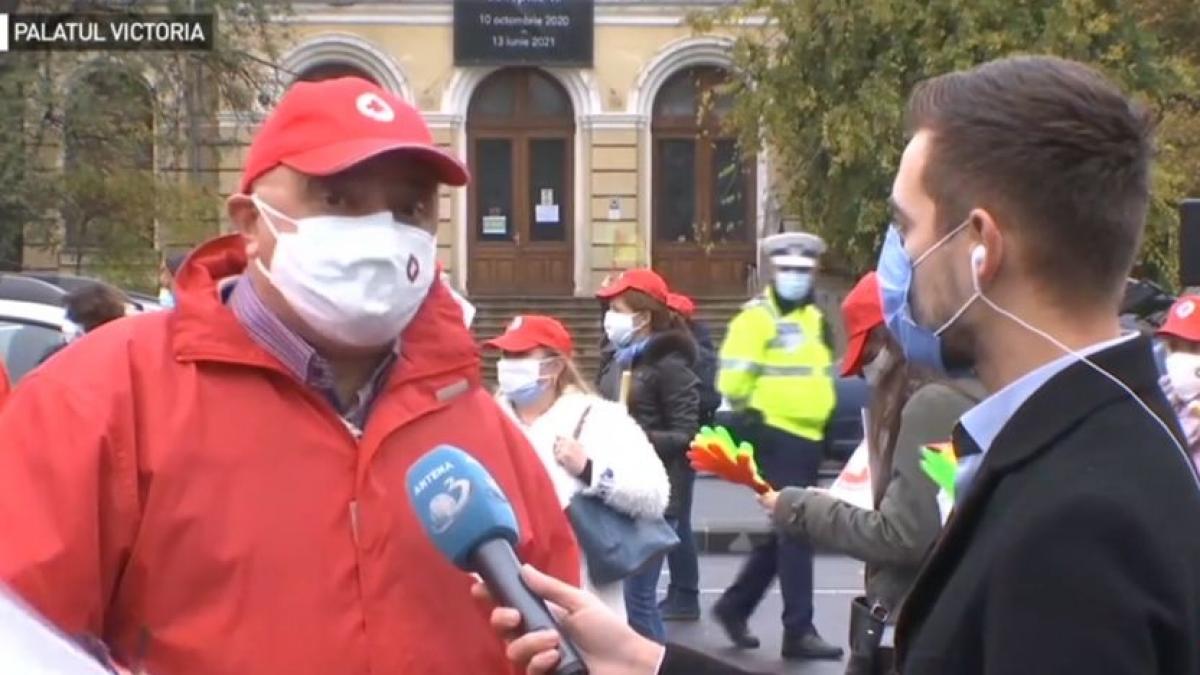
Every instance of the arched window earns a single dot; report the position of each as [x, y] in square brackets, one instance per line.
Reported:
[329, 70]
[108, 161]
[703, 202]
[520, 130]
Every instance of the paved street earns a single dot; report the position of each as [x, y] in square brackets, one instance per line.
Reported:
[838, 579]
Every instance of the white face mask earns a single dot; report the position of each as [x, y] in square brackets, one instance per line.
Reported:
[520, 379]
[1184, 370]
[620, 327]
[356, 280]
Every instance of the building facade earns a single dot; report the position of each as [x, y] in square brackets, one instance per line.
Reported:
[579, 169]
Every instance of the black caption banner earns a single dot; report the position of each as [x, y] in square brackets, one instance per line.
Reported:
[107, 32]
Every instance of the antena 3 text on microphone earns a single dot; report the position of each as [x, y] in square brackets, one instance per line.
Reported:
[107, 32]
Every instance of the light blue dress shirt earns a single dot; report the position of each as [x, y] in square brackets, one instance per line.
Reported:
[989, 416]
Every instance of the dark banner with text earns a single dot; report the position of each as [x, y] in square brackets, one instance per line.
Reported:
[524, 32]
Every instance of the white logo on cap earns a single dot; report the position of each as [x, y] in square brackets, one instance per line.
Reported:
[371, 105]
[1186, 309]
[516, 323]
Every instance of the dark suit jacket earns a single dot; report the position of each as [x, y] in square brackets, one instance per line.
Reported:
[1077, 549]
[683, 661]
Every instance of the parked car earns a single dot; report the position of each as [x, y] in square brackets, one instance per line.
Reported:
[29, 331]
[139, 302]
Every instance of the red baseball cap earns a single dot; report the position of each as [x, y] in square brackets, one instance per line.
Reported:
[862, 311]
[681, 304]
[642, 279]
[530, 331]
[321, 128]
[1183, 321]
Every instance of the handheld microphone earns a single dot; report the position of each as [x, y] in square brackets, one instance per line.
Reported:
[471, 521]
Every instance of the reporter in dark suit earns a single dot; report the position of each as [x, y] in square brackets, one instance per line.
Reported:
[608, 645]
[1020, 204]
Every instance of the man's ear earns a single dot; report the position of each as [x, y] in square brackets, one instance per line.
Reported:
[243, 214]
[991, 240]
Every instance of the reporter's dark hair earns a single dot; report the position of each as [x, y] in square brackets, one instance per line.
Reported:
[1052, 147]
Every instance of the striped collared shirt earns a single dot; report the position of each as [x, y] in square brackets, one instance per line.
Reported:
[301, 358]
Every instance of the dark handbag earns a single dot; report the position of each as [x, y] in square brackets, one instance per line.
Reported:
[614, 544]
[868, 655]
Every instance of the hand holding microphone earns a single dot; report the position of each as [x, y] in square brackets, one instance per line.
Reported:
[608, 645]
[470, 520]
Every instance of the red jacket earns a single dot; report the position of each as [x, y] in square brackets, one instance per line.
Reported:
[5, 385]
[168, 486]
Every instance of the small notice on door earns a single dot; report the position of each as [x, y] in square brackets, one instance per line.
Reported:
[495, 224]
[547, 213]
[547, 196]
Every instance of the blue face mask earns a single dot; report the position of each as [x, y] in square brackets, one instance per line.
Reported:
[793, 285]
[895, 273]
[166, 299]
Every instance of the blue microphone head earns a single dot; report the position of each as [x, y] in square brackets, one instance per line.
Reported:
[458, 503]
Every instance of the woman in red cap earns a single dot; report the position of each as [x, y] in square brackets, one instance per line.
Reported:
[909, 408]
[649, 368]
[1181, 334]
[586, 443]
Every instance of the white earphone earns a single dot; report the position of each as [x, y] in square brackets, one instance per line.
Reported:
[978, 255]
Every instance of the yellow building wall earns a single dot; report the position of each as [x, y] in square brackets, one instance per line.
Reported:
[614, 152]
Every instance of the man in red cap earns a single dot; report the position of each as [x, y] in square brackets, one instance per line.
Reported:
[1181, 334]
[220, 488]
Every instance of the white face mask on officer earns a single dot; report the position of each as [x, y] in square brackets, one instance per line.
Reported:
[355, 280]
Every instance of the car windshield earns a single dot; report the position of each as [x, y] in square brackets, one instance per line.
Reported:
[23, 345]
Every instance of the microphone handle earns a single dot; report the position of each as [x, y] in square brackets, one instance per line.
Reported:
[497, 563]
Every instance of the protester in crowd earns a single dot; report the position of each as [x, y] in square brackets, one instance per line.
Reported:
[1019, 205]
[1181, 335]
[90, 307]
[910, 407]
[166, 279]
[682, 602]
[589, 446]
[221, 488]
[608, 646]
[653, 346]
[776, 372]
[94, 305]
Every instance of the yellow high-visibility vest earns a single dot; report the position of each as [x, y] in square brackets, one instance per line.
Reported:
[779, 365]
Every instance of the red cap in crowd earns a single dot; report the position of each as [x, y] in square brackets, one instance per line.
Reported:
[530, 331]
[681, 304]
[862, 311]
[321, 128]
[642, 279]
[1183, 321]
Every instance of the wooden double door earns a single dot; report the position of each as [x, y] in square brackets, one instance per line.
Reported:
[521, 137]
[704, 224]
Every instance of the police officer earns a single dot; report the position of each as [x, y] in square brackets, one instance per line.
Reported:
[776, 374]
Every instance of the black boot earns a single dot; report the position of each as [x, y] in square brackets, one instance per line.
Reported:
[809, 646]
[735, 626]
[680, 606]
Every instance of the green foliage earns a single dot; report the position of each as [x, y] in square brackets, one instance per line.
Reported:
[824, 86]
[109, 158]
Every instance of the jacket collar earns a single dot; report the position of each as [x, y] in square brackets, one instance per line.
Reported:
[1069, 397]
[436, 342]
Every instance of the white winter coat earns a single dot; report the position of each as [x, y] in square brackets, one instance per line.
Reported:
[626, 472]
